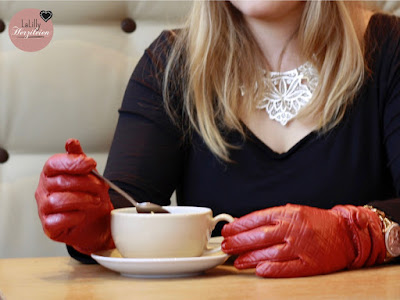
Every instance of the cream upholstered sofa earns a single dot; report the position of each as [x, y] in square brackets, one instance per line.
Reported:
[71, 88]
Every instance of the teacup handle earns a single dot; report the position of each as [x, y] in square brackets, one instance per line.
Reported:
[215, 220]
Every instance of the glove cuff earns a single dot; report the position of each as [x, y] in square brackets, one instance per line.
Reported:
[364, 228]
[108, 245]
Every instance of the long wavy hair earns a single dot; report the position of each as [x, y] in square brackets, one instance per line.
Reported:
[220, 56]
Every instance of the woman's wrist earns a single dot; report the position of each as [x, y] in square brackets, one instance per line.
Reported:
[81, 257]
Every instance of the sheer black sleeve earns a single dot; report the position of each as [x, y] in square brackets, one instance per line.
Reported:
[146, 155]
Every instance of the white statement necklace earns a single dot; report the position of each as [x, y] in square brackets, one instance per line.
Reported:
[287, 92]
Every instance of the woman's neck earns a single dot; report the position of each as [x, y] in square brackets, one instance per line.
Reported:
[277, 39]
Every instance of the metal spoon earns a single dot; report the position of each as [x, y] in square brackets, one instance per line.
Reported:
[141, 207]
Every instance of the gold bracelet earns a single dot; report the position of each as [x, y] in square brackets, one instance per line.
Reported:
[390, 231]
[382, 216]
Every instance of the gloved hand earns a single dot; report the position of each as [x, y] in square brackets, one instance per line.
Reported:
[294, 240]
[74, 206]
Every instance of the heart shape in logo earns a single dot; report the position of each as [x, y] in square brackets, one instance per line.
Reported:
[46, 15]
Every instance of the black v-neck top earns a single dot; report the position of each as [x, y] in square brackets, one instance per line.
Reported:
[357, 162]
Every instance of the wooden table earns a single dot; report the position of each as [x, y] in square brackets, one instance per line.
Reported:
[63, 278]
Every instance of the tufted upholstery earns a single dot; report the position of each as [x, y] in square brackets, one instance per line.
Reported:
[71, 88]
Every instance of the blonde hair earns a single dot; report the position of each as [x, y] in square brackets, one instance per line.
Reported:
[220, 55]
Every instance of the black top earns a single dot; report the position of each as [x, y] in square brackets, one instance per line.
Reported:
[357, 162]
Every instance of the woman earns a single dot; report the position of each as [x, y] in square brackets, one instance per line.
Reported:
[283, 114]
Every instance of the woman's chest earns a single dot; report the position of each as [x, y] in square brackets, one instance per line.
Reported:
[348, 164]
[277, 137]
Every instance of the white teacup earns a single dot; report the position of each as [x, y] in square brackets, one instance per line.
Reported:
[184, 232]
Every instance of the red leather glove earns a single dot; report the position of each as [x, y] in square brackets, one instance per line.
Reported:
[294, 240]
[73, 204]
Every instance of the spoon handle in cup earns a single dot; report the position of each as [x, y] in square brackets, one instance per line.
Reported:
[116, 188]
[141, 207]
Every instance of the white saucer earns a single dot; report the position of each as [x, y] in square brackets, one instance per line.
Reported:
[161, 267]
